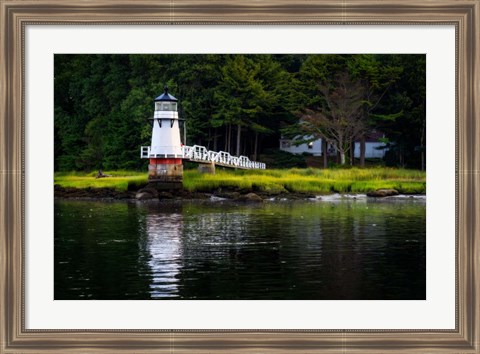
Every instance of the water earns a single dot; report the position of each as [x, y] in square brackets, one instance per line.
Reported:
[311, 249]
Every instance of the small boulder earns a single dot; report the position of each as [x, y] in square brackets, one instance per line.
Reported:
[146, 193]
[250, 197]
[143, 196]
[382, 193]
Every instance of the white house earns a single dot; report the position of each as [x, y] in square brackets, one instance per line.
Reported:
[372, 144]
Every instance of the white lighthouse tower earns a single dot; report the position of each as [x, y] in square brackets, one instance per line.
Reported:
[165, 152]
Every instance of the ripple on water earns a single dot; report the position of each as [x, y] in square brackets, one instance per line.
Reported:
[332, 247]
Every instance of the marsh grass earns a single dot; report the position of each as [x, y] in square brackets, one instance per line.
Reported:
[308, 180]
[119, 180]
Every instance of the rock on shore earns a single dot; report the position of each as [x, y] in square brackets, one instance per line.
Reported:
[146, 193]
[382, 193]
[235, 195]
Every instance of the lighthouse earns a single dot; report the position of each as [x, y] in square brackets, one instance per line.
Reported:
[165, 154]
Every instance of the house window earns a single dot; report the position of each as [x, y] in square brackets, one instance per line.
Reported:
[310, 145]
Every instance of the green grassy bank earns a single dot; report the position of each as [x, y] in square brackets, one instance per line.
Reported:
[309, 180]
[119, 180]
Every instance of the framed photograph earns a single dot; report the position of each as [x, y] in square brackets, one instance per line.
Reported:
[415, 290]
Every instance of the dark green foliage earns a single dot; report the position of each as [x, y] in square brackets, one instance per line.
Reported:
[407, 133]
[235, 103]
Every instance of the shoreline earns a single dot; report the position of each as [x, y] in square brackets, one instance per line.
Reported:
[246, 195]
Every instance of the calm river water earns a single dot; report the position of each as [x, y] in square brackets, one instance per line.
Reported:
[311, 249]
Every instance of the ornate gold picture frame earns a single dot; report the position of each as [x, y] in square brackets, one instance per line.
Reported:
[17, 14]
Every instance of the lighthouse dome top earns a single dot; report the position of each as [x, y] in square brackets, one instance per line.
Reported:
[166, 96]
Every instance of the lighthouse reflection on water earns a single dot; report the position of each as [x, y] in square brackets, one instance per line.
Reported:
[164, 233]
[188, 253]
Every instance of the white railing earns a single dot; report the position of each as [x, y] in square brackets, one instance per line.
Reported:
[201, 154]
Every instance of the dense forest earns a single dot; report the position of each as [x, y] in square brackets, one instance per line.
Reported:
[237, 103]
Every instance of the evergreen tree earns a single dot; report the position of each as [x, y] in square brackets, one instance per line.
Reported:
[237, 103]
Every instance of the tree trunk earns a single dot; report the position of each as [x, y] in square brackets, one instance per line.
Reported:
[325, 153]
[255, 147]
[239, 136]
[209, 139]
[341, 152]
[342, 157]
[422, 145]
[245, 145]
[185, 133]
[215, 139]
[362, 151]
[229, 138]
[226, 139]
[352, 153]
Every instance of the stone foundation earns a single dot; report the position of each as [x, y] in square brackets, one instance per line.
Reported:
[206, 168]
[165, 174]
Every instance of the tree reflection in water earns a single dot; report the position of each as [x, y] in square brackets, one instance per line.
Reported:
[299, 250]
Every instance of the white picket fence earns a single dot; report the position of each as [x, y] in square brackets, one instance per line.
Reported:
[199, 153]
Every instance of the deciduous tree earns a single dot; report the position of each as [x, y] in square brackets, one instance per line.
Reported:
[338, 118]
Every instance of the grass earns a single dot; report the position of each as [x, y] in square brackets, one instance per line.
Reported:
[308, 180]
[119, 180]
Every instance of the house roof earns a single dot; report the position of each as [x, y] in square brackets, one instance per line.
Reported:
[166, 96]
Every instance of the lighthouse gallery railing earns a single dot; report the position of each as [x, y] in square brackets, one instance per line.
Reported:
[199, 153]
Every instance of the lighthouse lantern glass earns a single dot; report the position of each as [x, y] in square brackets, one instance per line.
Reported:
[166, 106]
